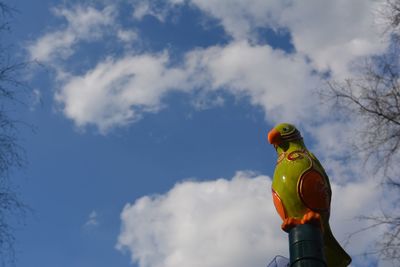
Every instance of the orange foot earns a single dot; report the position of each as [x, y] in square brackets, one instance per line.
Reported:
[289, 223]
[312, 217]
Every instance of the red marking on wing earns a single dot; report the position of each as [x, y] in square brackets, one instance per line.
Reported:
[314, 191]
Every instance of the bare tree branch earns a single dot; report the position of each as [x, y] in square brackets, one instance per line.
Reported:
[11, 154]
[373, 94]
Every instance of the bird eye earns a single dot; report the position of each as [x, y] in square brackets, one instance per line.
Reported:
[285, 129]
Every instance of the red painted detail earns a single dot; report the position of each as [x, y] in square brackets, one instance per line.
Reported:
[298, 154]
[314, 191]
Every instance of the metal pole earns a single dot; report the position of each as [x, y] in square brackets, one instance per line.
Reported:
[306, 246]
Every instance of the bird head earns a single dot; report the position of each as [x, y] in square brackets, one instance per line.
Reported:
[283, 134]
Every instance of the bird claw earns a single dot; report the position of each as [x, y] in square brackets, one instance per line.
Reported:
[309, 217]
[289, 223]
[313, 218]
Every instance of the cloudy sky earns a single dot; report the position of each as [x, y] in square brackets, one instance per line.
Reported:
[149, 122]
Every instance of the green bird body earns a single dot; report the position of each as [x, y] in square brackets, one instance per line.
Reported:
[301, 189]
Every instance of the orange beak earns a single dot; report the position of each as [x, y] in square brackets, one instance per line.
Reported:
[274, 137]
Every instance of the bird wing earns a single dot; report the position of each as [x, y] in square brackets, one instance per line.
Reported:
[314, 191]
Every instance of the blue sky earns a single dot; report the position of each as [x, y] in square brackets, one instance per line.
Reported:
[149, 140]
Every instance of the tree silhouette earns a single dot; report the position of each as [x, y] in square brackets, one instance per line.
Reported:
[11, 154]
[374, 95]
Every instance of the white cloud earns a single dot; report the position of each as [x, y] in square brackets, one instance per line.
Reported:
[157, 9]
[229, 223]
[35, 99]
[334, 33]
[92, 219]
[127, 35]
[84, 23]
[239, 18]
[206, 101]
[146, 9]
[215, 223]
[331, 33]
[277, 82]
[117, 92]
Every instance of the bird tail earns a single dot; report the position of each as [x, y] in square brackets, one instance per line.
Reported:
[335, 255]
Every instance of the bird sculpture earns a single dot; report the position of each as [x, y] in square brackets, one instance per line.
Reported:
[301, 190]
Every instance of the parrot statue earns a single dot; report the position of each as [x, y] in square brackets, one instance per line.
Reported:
[301, 190]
